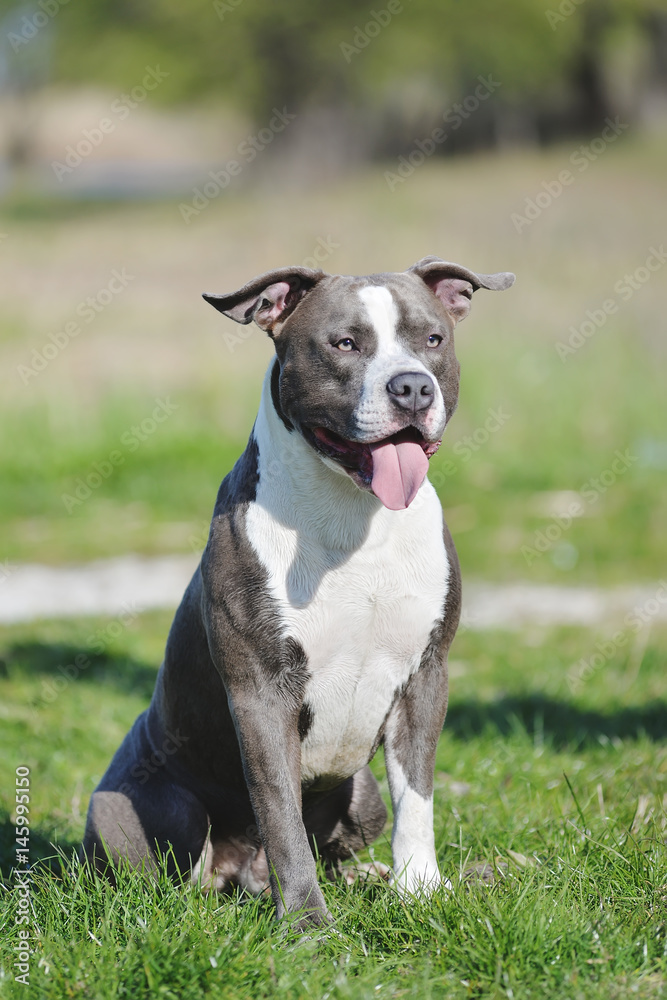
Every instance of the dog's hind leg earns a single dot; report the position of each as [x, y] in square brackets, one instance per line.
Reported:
[345, 820]
[166, 819]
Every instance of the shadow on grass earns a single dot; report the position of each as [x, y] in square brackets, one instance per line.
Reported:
[43, 848]
[63, 662]
[561, 723]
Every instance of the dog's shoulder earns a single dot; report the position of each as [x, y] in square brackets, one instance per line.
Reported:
[240, 485]
[228, 561]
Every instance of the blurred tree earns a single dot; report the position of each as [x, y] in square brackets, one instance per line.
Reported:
[401, 62]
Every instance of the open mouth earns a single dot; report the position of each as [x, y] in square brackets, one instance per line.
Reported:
[393, 468]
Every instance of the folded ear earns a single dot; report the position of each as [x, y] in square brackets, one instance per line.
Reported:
[268, 298]
[454, 284]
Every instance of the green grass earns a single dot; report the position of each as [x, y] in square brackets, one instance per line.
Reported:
[561, 786]
[497, 488]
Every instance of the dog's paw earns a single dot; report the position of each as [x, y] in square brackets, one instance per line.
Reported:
[371, 870]
[483, 873]
[417, 879]
[308, 924]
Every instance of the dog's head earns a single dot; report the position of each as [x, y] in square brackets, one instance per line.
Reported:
[366, 369]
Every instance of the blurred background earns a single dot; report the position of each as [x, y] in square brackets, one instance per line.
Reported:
[150, 151]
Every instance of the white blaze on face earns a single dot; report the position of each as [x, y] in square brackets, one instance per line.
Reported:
[376, 416]
[383, 315]
[399, 467]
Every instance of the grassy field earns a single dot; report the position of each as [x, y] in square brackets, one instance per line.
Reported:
[553, 761]
[533, 430]
[560, 783]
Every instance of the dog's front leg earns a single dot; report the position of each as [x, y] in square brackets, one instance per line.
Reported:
[264, 677]
[270, 748]
[410, 741]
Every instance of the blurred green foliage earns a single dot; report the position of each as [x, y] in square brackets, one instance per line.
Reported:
[301, 53]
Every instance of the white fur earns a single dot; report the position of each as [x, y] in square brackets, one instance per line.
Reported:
[359, 586]
[376, 416]
[383, 315]
[412, 841]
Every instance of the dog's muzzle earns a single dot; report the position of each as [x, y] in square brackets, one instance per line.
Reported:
[392, 468]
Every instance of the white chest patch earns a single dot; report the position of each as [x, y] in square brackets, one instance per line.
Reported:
[363, 617]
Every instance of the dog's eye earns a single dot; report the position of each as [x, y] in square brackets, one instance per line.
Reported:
[346, 344]
[434, 340]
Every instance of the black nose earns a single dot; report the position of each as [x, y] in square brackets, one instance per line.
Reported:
[412, 391]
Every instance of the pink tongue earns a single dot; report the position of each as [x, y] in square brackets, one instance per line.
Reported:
[398, 472]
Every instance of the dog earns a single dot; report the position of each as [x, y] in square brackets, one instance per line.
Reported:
[318, 622]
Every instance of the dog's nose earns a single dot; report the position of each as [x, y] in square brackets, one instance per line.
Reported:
[412, 391]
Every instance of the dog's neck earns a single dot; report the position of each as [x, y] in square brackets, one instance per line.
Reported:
[303, 492]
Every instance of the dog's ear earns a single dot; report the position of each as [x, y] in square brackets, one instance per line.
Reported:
[268, 298]
[454, 284]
